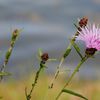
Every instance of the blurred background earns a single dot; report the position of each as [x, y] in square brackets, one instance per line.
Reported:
[45, 24]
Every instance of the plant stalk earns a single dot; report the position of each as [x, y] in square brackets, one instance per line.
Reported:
[9, 52]
[28, 96]
[73, 74]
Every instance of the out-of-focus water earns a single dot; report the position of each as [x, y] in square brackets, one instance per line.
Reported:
[46, 24]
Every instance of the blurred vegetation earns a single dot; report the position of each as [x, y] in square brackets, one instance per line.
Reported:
[15, 90]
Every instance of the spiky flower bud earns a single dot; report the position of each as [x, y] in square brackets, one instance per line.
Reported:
[90, 51]
[83, 22]
[45, 57]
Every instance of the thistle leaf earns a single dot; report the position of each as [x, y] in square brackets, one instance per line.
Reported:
[74, 93]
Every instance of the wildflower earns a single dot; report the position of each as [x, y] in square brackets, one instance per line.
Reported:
[44, 57]
[91, 36]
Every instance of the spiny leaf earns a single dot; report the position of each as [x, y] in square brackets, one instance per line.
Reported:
[4, 74]
[74, 93]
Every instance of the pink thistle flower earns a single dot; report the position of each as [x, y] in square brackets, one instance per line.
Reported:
[91, 36]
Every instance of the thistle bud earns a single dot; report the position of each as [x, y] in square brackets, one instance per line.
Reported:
[15, 33]
[90, 51]
[45, 57]
[83, 22]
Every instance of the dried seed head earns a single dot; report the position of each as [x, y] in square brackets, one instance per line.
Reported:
[83, 22]
[45, 57]
[90, 51]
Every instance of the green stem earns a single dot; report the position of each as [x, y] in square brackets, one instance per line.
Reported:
[67, 52]
[77, 49]
[57, 72]
[9, 52]
[28, 97]
[74, 72]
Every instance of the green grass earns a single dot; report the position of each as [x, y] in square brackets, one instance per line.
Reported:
[14, 90]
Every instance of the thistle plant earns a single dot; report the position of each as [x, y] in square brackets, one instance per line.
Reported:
[91, 36]
[44, 58]
[82, 23]
[14, 37]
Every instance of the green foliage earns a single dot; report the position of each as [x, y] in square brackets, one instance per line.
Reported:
[74, 93]
[68, 50]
